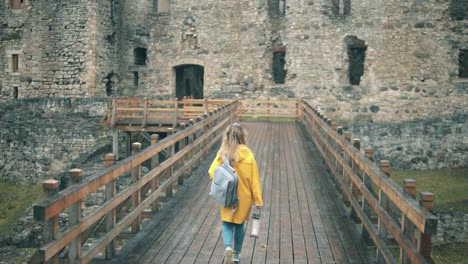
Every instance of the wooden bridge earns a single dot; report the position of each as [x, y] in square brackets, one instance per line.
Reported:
[325, 199]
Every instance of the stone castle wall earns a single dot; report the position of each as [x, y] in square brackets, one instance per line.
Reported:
[63, 49]
[423, 144]
[42, 138]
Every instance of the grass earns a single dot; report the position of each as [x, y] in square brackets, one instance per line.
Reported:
[14, 200]
[449, 186]
[455, 253]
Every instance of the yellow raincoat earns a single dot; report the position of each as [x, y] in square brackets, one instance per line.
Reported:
[248, 187]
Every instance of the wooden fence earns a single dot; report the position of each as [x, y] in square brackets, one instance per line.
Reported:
[134, 114]
[372, 195]
[186, 147]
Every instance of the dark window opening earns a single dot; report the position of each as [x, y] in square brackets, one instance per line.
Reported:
[14, 63]
[15, 92]
[136, 79]
[341, 7]
[463, 64]
[140, 56]
[112, 81]
[279, 62]
[459, 9]
[356, 57]
[189, 81]
[356, 64]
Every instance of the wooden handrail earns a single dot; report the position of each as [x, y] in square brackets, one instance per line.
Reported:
[337, 151]
[51, 207]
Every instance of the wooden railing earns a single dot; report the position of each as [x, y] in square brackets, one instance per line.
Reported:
[372, 196]
[135, 114]
[186, 148]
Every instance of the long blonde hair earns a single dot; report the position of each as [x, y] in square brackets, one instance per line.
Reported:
[234, 136]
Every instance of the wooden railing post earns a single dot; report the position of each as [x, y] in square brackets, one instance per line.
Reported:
[268, 109]
[180, 181]
[198, 148]
[113, 114]
[111, 190]
[176, 113]
[145, 113]
[189, 143]
[136, 197]
[409, 187]
[74, 218]
[170, 154]
[155, 181]
[115, 143]
[50, 229]
[383, 201]
[426, 200]
[354, 187]
[368, 152]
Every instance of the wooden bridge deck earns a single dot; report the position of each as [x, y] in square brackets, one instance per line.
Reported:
[302, 221]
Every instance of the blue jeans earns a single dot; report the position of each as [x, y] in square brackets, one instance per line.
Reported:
[230, 230]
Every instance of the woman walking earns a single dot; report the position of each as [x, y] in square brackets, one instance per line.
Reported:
[234, 147]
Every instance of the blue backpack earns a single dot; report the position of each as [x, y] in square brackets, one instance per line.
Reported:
[224, 185]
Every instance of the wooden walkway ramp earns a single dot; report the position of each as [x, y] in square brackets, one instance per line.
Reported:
[302, 221]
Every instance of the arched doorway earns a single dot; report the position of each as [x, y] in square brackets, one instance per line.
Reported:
[189, 81]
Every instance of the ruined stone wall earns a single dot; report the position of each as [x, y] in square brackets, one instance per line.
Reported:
[42, 138]
[61, 45]
[228, 38]
[410, 66]
[419, 144]
[407, 42]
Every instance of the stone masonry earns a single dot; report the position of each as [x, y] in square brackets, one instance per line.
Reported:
[363, 62]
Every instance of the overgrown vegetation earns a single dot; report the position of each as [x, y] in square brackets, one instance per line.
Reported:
[14, 200]
[449, 186]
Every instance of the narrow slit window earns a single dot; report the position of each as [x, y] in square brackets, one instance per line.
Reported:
[463, 64]
[341, 7]
[136, 79]
[15, 92]
[14, 62]
[279, 63]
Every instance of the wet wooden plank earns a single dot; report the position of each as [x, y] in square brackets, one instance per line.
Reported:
[300, 223]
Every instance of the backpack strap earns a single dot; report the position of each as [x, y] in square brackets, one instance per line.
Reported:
[226, 161]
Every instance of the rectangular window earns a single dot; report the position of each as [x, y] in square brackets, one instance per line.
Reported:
[136, 79]
[341, 7]
[14, 63]
[463, 64]
[279, 63]
[15, 92]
